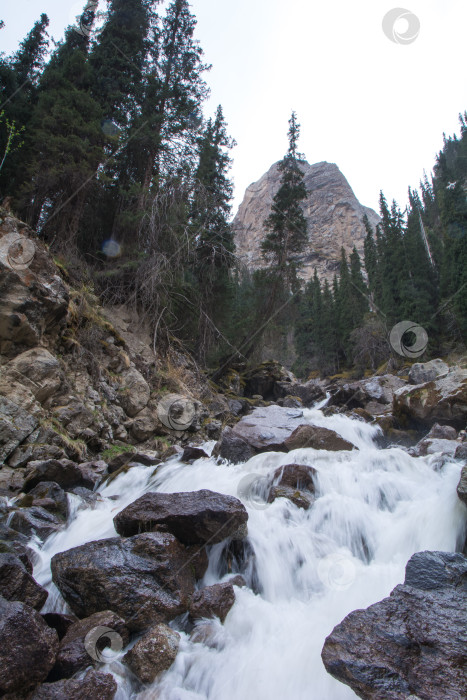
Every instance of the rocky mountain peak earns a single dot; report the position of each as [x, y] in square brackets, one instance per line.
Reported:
[333, 212]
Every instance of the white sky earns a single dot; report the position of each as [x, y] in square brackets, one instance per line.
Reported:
[376, 108]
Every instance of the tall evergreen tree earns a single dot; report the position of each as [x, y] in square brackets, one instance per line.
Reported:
[214, 245]
[66, 142]
[286, 226]
[19, 78]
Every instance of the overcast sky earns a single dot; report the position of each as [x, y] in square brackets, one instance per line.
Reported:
[374, 107]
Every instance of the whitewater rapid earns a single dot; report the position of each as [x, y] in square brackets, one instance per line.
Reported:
[374, 509]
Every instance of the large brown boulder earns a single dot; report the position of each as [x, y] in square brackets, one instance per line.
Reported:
[412, 643]
[98, 686]
[294, 482]
[16, 583]
[144, 579]
[28, 647]
[442, 400]
[73, 656]
[317, 438]
[63, 472]
[153, 653]
[213, 601]
[194, 517]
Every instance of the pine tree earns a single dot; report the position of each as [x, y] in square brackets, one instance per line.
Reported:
[66, 142]
[286, 225]
[214, 244]
[118, 59]
[19, 77]
[176, 90]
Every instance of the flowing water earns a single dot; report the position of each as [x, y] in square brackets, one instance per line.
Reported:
[374, 509]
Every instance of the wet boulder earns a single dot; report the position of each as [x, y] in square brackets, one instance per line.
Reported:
[13, 542]
[35, 521]
[95, 685]
[16, 583]
[192, 453]
[212, 601]
[144, 579]
[73, 656]
[48, 495]
[294, 482]
[301, 499]
[154, 653]
[63, 472]
[194, 517]
[316, 438]
[233, 448]
[60, 622]
[412, 643]
[28, 647]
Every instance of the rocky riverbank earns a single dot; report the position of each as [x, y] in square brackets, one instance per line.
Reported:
[84, 397]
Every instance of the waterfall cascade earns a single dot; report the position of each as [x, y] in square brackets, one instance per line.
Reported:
[307, 569]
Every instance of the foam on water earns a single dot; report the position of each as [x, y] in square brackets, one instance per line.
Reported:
[374, 509]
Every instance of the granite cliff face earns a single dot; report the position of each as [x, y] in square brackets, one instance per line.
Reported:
[333, 212]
